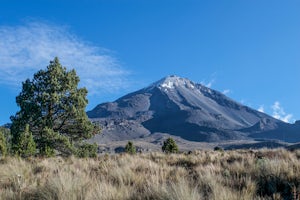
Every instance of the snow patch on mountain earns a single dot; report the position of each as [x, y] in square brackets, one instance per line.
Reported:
[169, 85]
[172, 82]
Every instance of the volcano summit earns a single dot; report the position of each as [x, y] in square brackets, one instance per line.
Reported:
[179, 107]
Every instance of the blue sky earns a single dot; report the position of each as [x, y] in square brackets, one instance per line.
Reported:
[250, 50]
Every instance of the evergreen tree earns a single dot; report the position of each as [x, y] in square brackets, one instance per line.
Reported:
[51, 141]
[6, 139]
[3, 146]
[54, 108]
[130, 148]
[170, 146]
[26, 146]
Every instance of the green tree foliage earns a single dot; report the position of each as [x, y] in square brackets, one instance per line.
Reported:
[51, 141]
[217, 148]
[130, 148]
[170, 146]
[86, 150]
[7, 137]
[26, 146]
[54, 108]
[3, 146]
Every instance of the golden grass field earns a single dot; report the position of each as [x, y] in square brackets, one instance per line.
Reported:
[239, 174]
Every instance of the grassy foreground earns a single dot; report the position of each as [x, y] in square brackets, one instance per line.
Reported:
[263, 174]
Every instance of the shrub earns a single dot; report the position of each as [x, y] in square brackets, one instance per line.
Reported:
[86, 150]
[26, 146]
[47, 151]
[3, 146]
[170, 146]
[217, 148]
[130, 148]
[7, 137]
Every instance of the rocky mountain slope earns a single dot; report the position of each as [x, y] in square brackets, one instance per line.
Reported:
[179, 107]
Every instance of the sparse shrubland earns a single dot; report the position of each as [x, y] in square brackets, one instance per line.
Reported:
[262, 174]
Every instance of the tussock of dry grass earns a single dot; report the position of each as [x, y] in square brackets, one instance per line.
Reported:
[264, 174]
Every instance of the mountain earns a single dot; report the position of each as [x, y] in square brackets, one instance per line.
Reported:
[284, 132]
[179, 107]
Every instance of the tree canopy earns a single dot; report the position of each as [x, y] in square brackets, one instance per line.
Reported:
[53, 107]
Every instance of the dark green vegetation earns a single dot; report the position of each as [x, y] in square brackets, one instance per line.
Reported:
[217, 148]
[130, 148]
[3, 144]
[26, 145]
[170, 146]
[87, 150]
[5, 138]
[52, 118]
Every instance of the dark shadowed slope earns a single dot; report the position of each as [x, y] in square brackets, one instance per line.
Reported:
[284, 132]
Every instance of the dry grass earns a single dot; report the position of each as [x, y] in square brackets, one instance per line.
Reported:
[263, 174]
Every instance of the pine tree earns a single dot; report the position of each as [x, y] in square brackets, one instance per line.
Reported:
[26, 146]
[52, 104]
[130, 148]
[51, 141]
[170, 146]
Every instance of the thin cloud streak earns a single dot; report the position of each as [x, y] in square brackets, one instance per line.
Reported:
[279, 113]
[27, 48]
[261, 109]
[208, 84]
[227, 91]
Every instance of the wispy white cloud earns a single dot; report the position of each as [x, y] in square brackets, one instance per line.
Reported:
[24, 49]
[209, 83]
[279, 113]
[261, 108]
[227, 91]
[246, 102]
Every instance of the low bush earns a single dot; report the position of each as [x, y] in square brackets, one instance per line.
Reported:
[86, 150]
[170, 146]
[130, 148]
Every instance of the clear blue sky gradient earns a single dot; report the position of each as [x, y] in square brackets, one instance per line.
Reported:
[249, 48]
